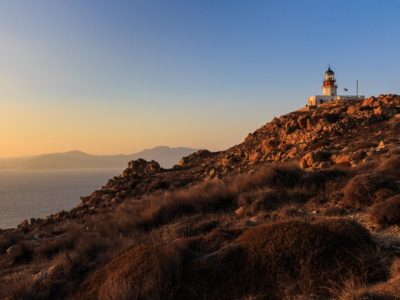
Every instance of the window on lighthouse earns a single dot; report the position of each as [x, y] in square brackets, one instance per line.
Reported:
[329, 77]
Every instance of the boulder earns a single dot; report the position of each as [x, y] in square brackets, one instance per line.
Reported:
[239, 212]
[343, 159]
[352, 110]
[312, 159]
[292, 153]
[367, 103]
[302, 122]
[43, 275]
[194, 158]
[384, 112]
[24, 224]
[253, 156]
[267, 146]
[324, 165]
[311, 124]
[225, 162]
[212, 172]
[142, 167]
[381, 146]
[254, 219]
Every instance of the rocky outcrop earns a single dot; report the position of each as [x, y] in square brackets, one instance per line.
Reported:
[123, 186]
[339, 132]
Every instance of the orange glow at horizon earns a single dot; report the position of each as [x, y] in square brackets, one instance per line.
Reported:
[32, 128]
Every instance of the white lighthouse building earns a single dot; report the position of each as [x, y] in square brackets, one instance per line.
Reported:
[329, 91]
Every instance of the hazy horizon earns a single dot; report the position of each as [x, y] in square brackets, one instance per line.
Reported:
[118, 77]
[97, 154]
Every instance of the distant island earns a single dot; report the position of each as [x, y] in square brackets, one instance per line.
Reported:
[165, 156]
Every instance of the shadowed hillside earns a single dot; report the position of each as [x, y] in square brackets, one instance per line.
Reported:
[305, 208]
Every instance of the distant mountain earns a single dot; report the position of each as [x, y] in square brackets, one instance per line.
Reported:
[166, 156]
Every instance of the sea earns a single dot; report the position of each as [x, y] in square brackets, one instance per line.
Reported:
[26, 194]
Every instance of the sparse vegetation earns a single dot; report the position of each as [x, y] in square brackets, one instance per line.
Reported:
[174, 244]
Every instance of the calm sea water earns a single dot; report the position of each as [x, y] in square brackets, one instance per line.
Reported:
[31, 194]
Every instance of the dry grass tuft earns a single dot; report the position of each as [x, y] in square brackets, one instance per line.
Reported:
[391, 166]
[361, 190]
[388, 212]
[288, 258]
[143, 272]
[311, 256]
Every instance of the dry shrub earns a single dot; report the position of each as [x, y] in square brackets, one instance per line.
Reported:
[186, 228]
[22, 255]
[317, 180]
[364, 294]
[288, 258]
[299, 256]
[276, 181]
[391, 166]
[310, 256]
[60, 243]
[208, 197]
[293, 211]
[389, 290]
[383, 194]
[335, 211]
[216, 276]
[18, 289]
[388, 212]
[395, 268]
[6, 241]
[287, 175]
[361, 190]
[354, 290]
[67, 271]
[143, 272]
[268, 199]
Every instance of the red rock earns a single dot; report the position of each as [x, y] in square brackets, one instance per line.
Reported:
[239, 212]
[343, 159]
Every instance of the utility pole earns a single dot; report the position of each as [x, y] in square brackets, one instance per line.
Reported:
[357, 88]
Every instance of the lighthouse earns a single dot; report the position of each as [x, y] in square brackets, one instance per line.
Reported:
[329, 91]
[329, 87]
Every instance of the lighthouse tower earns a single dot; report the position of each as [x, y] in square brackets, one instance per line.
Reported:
[329, 88]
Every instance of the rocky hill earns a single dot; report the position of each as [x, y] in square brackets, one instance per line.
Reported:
[344, 133]
[307, 207]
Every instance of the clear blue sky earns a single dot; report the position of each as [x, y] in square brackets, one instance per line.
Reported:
[118, 76]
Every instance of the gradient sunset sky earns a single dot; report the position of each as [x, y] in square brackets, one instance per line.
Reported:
[115, 76]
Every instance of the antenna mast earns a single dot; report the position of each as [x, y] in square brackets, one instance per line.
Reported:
[357, 88]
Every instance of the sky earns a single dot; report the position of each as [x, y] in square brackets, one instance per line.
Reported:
[110, 77]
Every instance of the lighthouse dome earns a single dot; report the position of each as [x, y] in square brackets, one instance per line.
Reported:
[329, 71]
